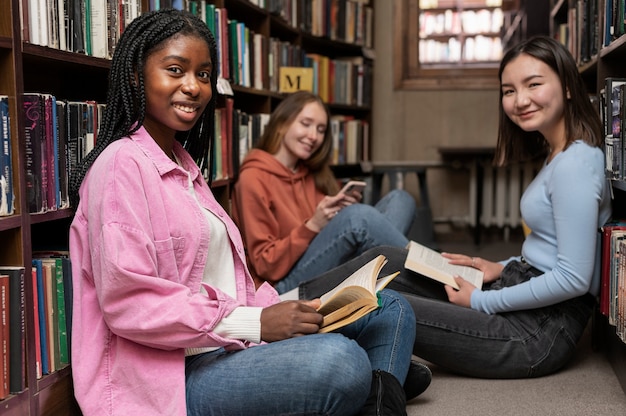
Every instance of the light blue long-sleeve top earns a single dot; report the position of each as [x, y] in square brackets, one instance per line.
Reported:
[564, 206]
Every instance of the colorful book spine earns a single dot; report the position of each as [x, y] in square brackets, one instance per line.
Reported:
[37, 330]
[33, 135]
[17, 330]
[4, 336]
[6, 166]
[41, 314]
[61, 311]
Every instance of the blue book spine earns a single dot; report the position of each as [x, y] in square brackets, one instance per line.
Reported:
[6, 168]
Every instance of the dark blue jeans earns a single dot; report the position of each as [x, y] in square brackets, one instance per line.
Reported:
[529, 343]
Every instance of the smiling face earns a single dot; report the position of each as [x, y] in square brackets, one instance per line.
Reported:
[532, 97]
[177, 86]
[304, 135]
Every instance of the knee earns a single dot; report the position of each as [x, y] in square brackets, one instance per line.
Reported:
[395, 304]
[403, 198]
[343, 367]
[340, 357]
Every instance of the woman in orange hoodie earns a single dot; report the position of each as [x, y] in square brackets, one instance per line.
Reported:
[295, 223]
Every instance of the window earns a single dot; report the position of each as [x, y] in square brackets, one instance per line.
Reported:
[450, 43]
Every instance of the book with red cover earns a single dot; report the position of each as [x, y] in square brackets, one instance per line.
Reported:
[4, 336]
[17, 331]
[227, 131]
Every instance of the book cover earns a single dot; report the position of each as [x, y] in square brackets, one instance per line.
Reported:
[35, 297]
[33, 136]
[113, 25]
[210, 17]
[49, 282]
[68, 292]
[222, 28]
[61, 319]
[17, 324]
[4, 336]
[432, 264]
[99, 28]
[77, 26]
[607, 260]
[62, 156]
[233, 53]
[617, 267]
[41, 314]
[74, 131]
[6, 164]
[227, 132]
[355, 297]
[49, 159]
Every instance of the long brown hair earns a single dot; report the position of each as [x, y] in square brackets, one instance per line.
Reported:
[280, 120]
[582, 120]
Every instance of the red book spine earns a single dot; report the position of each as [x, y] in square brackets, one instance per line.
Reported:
[36, 325]
[4, 335]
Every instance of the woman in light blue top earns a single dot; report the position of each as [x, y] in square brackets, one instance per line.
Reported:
[531, 311]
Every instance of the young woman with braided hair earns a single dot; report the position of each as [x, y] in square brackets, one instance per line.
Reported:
[167, 319]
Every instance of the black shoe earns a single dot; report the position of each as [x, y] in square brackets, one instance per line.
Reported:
[417, 380]
[386, 396]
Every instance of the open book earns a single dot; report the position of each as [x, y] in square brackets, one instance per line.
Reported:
[430, 263]
[355, 297]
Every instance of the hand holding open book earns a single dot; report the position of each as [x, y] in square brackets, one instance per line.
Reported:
[355, 297]
[430, 263]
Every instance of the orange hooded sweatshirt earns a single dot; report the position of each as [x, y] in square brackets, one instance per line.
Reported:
[270, 205]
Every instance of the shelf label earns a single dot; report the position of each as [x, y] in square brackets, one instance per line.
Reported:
[294, 79]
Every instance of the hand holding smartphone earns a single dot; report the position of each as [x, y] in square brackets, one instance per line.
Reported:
[353, 186]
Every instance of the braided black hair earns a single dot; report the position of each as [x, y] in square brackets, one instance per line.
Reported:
[126, 99]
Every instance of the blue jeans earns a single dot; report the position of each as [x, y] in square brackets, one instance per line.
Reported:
[320, 374]
[518, 344]
[352, 231]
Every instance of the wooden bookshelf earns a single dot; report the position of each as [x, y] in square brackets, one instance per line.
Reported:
[29, 67]
[599, 56]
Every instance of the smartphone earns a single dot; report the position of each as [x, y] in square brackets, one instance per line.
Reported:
[353, 186]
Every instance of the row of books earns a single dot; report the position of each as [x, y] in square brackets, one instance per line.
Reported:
[613, 277]
[450, 22]
[58, 135]
[613, 112]
[237, 132]
[91, 27]
[51, 275]
[471, 49]
[349, 21]
[253, 60]
[582, 32]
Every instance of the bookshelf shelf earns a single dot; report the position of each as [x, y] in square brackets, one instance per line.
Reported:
[41, 68]
[51, 216]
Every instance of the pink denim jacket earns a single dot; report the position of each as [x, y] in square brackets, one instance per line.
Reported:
[138, 245]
